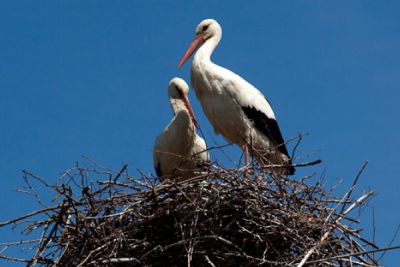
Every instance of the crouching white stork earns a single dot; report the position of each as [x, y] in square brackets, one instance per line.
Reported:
[235, 108]
[178, 151]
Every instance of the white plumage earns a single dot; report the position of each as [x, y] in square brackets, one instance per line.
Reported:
[235, 108]
[178, 151]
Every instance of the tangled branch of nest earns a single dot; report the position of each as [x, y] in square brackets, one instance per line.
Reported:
[216, 219]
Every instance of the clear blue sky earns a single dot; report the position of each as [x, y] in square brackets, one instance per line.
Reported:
[90, 78]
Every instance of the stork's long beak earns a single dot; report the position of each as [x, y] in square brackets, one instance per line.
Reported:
[196, 43]
[191, 113]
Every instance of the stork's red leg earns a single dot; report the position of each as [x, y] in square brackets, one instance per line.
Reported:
[246, 156]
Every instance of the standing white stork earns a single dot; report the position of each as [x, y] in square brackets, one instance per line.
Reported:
[178, 151]
[235, 108]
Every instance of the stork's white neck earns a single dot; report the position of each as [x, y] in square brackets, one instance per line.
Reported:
[203, 70]
[182, 126]
[177, 105]
[203, 54]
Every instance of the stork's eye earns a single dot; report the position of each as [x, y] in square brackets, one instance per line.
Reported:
[179, 90]
[205, 28]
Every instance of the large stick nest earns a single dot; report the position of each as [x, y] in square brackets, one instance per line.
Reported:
[108, 218]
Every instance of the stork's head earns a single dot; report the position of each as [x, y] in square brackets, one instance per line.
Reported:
[178, 90]
[206, 30]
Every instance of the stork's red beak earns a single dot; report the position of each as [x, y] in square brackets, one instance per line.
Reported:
[189, 108]
[196, 43]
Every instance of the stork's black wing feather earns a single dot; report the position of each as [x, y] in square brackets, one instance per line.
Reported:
[268, 126]
[158, 170]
